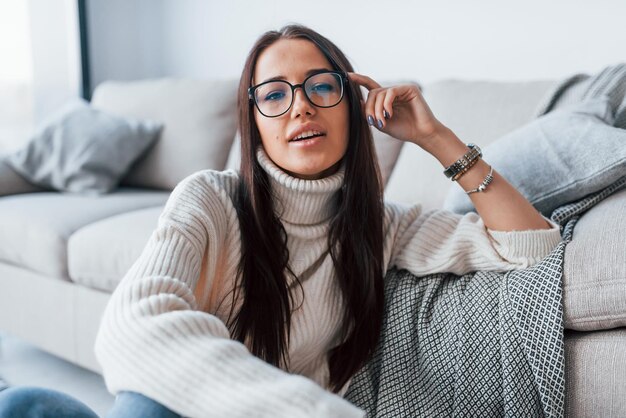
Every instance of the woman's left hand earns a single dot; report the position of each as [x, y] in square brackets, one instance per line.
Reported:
[401, 110]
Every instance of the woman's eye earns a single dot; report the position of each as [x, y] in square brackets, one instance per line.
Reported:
[277, 95]
[323, 87]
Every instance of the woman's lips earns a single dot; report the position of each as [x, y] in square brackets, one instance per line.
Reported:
[306, 128]
[308, 142]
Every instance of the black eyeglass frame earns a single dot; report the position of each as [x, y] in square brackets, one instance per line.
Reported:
[342, 75]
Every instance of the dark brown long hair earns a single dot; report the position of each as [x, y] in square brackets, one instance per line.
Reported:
[355, 237]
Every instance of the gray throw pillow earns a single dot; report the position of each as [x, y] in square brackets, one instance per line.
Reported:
[557, 158]
[83, 150]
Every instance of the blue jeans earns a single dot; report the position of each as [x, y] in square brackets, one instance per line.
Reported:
[32, 402]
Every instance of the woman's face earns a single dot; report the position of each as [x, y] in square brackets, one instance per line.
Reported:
[306, 159]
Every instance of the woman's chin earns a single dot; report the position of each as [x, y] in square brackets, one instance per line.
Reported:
[307, 175]
[313, 173]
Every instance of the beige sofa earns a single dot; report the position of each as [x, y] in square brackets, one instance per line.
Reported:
[62, 255]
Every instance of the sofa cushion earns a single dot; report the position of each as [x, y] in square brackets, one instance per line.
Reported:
[477, 111]
[34, 228]
[199, 118]
[595, 371]
[80, 149]
[101, 253]
[594, 292]
[387, 150]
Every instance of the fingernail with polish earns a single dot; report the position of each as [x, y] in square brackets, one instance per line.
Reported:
[385, 114]
[380, 124]
[370, 120]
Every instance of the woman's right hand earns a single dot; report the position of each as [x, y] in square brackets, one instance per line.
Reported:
[399, 111]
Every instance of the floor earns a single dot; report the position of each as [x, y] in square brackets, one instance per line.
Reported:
[23, 364]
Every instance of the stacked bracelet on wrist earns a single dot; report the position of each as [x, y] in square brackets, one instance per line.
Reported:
[482, 186]
[460, 166]
[463, 164]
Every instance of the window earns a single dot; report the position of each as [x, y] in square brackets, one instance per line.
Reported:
[40, 66]
[16, 74]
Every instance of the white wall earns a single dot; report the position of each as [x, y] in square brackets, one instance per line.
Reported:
[424, 40]
[125, 39]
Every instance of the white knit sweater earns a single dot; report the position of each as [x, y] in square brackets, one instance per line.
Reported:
[158, 339]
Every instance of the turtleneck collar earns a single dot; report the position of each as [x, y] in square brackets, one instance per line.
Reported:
[299, 201]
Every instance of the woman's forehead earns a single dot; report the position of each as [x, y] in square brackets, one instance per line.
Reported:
[290, 59]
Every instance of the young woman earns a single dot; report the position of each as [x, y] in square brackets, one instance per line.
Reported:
[260, 293]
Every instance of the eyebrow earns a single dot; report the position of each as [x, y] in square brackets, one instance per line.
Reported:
[308, 73]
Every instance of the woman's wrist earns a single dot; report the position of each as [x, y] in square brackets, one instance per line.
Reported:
[444, 145]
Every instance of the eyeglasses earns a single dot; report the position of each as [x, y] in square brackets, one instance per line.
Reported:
[275, 97]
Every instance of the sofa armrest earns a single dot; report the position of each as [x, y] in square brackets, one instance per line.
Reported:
[13, 183]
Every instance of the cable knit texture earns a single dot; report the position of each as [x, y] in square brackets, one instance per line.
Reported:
[160, 337]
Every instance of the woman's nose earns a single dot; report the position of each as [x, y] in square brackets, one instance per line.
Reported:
[300, 103]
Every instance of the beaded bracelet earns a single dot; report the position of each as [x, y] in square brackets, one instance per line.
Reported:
[482, 186]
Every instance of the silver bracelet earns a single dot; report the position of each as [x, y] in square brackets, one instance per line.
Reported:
[482, 186]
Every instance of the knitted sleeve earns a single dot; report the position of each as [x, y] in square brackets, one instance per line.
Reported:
[441, 241]
[153, 340]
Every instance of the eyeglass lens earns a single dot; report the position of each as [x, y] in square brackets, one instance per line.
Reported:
[323, 90]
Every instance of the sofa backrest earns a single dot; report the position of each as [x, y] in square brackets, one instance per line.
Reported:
[478, 112]
[199, 118]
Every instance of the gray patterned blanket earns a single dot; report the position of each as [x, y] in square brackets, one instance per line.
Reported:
[485, 344]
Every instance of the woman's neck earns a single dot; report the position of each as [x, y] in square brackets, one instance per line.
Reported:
[299, 200]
